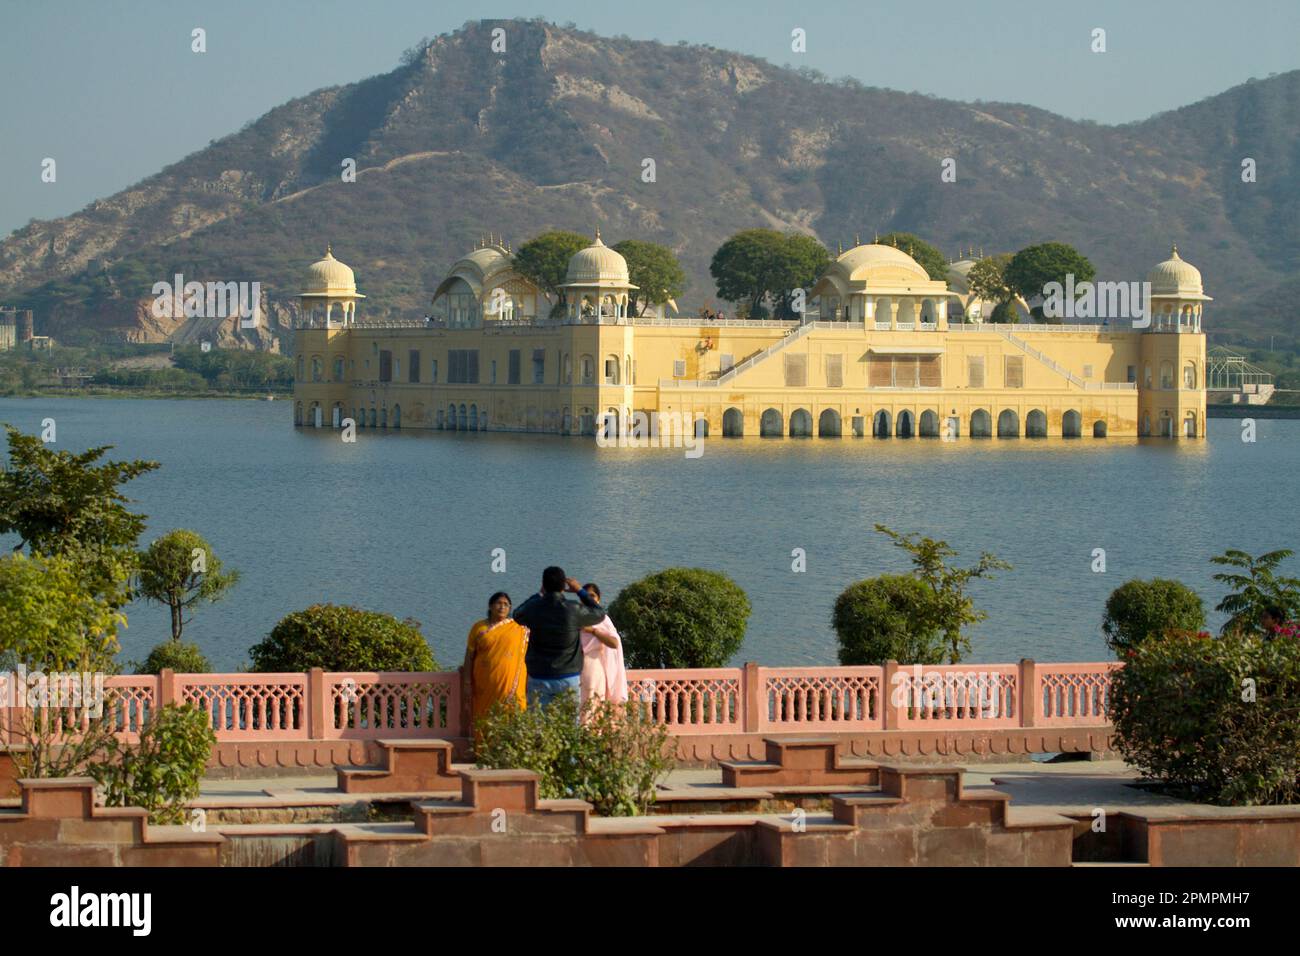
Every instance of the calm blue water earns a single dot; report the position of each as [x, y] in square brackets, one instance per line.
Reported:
[406, 522]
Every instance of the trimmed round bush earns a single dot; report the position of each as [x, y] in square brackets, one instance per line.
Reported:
[342, 638]
[681, 617]
[890, 617]
[1215, 720]
[181, 657]
[1138, 610]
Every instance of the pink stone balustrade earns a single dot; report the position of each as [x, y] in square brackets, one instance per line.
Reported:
[728, 700]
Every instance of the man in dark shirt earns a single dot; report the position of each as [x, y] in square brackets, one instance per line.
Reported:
[554, 657]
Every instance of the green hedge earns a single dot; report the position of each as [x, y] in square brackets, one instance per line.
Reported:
[681, 617]
[890, 617]
[342, 638]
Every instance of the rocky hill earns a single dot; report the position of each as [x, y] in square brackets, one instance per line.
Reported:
[459, 140]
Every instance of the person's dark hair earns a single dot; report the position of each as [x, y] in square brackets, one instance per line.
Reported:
[500, 594]
[553, 579]
[592, 590]
[1277, 612]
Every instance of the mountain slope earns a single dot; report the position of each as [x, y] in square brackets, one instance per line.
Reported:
[459, 141]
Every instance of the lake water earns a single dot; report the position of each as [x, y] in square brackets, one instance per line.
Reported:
[406, 522]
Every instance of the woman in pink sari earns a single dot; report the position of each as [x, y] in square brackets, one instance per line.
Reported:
[603, 674]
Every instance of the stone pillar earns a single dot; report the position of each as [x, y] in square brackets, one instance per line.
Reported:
[893, 313]
[754, 699]
[1030, 700]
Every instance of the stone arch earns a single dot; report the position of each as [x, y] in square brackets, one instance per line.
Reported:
[701, 427]
[880, 424]
[587, 370]
[313, 415]
[929, 424]
[383, 417]
[612, 370]
[473, 418]
[801, 423]
[566, 420]
[828, 423]
[317, 370]
[1189, 425]
[1099, 428]
[609, 423]
[906, 427]
[442, 420]
[733, 423]
[483, 419]
[1036, 424]
[981, 424]
[1008, 424]
[1189, 375]
[462, 419]
[397, 415]
[1071, 424]
[297, 413]
[771, 425]
[451, 417]
[374, 417]
[338, 369]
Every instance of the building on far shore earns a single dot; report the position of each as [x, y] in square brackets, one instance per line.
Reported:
[877, 355]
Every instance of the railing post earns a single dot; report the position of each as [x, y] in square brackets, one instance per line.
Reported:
[166, 687]
[888, 688]
[752, 697]
[1031, 701]
[316, 704]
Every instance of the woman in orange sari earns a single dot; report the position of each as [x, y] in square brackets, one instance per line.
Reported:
[494, 662]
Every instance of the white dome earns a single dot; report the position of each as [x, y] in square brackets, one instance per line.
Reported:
[876, 261]
[1175, 277]
[596, 264]
[328, 276]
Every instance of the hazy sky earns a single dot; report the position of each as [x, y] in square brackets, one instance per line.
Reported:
[112, 91]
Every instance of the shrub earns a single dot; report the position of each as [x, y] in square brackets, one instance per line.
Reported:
[890, 617]
[1138, 610]
[163, 771]
[1214, 720]
[1005, 312]
[181, 657]
[681, 617]
[613, 758]
[342, 638]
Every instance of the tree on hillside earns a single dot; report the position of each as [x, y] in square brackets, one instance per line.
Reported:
[180, 571]
[545, 259]
[757, 264]
[1033, 267]
[927, 256]
[654, 270]
[60, 503]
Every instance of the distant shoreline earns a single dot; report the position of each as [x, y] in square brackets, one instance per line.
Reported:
[255, 395]
[1252, 411]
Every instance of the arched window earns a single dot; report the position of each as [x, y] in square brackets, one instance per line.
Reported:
[611, 370]
[316, 370]
[338, 368]
[300, 368]
[733, 423]
[587, 368]
[1166, 374]
[1189, 375]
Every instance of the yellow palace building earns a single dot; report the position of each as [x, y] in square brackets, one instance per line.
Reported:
[877, 355]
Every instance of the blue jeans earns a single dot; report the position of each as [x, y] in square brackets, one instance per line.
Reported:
[543, 690]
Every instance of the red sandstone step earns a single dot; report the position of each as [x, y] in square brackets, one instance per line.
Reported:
[800, 761]
[409, 766]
